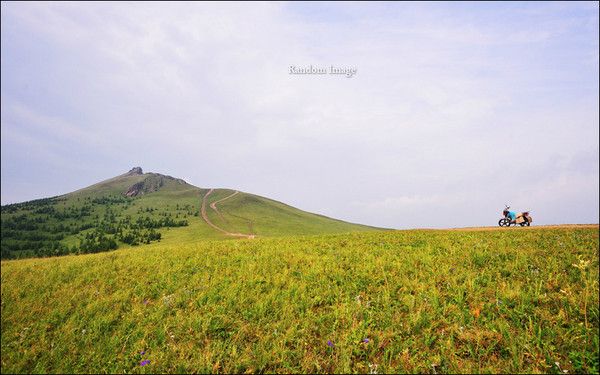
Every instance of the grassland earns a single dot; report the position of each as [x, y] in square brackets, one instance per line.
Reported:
[253, 214]
[504, 301]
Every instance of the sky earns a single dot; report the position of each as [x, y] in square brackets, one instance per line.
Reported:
[455, 110]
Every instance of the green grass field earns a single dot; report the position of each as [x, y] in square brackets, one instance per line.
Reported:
[499, 301]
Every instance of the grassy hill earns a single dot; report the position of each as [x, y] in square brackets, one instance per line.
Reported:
[504, 301]
[138, 208]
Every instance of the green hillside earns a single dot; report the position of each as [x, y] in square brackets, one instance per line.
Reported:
[493, 301]
[138, 208]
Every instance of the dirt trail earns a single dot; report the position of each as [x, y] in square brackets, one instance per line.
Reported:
[214, 207]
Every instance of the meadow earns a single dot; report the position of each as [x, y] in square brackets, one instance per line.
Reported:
[516, 300]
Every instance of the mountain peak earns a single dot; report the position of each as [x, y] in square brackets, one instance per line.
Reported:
[135, 171]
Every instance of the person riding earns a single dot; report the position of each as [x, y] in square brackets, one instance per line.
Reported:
[511, 215]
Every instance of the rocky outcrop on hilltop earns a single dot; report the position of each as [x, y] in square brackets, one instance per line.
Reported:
[153, 182]
[134, 171]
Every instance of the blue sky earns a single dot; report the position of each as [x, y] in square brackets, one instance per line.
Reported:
[456, 108]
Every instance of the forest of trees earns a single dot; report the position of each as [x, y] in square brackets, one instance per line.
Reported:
[38, 228]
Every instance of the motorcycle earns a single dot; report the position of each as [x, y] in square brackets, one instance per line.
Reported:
[522, 219]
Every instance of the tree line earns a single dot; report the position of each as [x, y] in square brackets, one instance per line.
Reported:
[38, 228]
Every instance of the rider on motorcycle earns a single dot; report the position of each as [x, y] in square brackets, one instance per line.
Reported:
[512, 216]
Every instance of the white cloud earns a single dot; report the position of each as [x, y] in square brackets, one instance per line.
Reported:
[202, 90]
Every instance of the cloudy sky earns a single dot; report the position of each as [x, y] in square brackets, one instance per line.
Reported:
[455, 109]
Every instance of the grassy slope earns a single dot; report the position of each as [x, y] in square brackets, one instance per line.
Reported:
[481, 301]
[268, 217]
[164, 200]
[246, 213]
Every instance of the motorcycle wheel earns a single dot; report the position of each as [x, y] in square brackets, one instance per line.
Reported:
[504, 222]
[524, 223]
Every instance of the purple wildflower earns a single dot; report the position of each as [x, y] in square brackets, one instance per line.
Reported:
[142, 352]
[145, 302]
[329, 343]
[366, 340]
[144, 362]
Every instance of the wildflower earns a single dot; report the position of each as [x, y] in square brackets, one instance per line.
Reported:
[558, 365]
[145, 302]
[144, 362]
[366, 340]
[582, 263]
[329, 343]
[142, 352]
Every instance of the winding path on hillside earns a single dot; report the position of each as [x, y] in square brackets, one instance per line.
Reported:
[214, 207]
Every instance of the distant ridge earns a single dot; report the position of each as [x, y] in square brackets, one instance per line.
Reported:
[136, 208]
